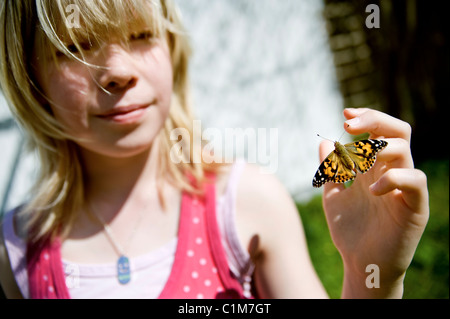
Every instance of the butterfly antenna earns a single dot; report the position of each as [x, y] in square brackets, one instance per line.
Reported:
[343, 133]
[325, 138]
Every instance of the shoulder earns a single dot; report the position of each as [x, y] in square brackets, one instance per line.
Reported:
[262, 204]
[257, 187]
[262, 195]
[264, 207]
[253, 182]
[7, 281]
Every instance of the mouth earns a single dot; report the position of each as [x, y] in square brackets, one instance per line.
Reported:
[124, 115]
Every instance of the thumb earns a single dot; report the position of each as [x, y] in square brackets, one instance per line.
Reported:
[325, 148]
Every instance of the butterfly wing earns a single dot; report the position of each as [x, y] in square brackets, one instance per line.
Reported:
[364, 153]
[344, 174]
[326, 171]
[333, 170]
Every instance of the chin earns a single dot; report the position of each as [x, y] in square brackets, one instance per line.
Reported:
[133, 144]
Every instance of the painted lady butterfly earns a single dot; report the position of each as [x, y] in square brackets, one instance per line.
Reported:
[340, 165]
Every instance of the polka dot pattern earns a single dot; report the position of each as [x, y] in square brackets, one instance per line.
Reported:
[202, 280]
[197, 274]
[46, 277]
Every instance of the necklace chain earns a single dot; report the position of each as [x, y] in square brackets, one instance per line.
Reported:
[109, 233]
[123, 263]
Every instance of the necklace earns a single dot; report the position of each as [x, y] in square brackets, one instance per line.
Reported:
[123, 263]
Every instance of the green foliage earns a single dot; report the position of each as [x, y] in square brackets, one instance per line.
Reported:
[325, 257]
[427, 277]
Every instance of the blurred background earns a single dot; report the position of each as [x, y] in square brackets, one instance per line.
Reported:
[294, 65]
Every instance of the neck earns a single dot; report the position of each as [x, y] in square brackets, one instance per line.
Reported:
[113, 183]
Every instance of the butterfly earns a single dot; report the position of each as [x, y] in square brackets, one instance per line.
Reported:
[341, 165]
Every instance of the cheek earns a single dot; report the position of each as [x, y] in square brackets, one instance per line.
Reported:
[160, 72]
[67, 92]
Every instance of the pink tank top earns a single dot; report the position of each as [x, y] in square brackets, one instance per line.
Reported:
[200, 268]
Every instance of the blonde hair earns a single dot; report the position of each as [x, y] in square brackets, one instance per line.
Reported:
[59, 190]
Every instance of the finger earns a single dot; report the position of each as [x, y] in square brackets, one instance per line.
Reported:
[378, 124]
[411, 182]
[397, 154]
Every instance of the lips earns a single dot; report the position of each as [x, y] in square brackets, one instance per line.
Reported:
[126, 114]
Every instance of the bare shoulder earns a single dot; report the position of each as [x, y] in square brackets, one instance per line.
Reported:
[258, 191]
[261, 189]
[7, 281]
[263, 206]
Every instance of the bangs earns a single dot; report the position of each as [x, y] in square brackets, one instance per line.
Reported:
[79, 22]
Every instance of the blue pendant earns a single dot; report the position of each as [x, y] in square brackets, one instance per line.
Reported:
[123, 270]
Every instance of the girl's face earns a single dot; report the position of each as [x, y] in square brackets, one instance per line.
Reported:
[115, 110]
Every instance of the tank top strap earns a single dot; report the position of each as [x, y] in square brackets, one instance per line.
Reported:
[200, 269]
[232, 286]
[46, 278]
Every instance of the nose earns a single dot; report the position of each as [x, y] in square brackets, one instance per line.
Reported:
[119, 73]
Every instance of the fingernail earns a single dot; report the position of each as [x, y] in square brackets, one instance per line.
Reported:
[354, 110]
[353, 122]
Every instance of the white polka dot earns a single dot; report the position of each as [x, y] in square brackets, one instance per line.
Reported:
[203, 261]
[194, 274]
[214, 270]
[46, 256]
[45, 277]
[219, 289]
[198, 240]
[196, 220]
[186, 289]
[207, 282]
[200, 296]
[50, 289]
[190, 253]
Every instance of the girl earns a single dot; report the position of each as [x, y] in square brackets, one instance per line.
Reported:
[99, 86]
